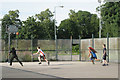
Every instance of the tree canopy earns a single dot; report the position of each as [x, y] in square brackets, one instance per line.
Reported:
[39, 26]
[110, 13]
[81, 23]
[12, 18]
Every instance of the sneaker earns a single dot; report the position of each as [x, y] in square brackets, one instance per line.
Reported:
[103, 65]
[21, 64]
[40, 63]
[93, 62]
[106, 64]
[48, 63]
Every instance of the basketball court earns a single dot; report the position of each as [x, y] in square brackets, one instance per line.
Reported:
[66, 69]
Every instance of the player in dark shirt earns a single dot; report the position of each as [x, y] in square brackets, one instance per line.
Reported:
[104, 56]
[14, 55]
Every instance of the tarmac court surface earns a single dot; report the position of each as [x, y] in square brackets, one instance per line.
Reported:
[59, 69]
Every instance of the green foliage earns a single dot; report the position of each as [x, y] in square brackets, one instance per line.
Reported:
[10, 19]
[81, 23]
[40, 26]
[110, 13]
[75, 49]
[28, 28]
[65, 29]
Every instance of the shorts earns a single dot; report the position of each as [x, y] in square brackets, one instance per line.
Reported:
[104, 57]
[43, 57]
[93, 58]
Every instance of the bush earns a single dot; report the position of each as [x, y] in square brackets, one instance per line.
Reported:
[75, 49]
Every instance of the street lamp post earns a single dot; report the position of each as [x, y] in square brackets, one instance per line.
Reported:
[100, 21]
[55, 30]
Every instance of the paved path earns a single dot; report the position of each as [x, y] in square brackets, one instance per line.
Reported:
[65, 69]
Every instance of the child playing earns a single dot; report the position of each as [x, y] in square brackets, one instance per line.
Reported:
[41, 55]
[92, 54]
[14, 55]
[104, 56]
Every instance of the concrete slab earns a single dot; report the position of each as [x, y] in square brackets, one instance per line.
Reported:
[67, 69]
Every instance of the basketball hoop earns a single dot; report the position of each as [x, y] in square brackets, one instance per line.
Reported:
[12, 29]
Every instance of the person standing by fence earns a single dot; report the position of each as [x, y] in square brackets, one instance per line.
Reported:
[104, 56]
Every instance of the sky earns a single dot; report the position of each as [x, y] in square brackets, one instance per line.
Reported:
[31, 7]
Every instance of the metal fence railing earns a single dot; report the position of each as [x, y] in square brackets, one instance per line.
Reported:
[64, 48]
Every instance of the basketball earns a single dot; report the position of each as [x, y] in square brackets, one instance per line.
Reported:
[17, 33]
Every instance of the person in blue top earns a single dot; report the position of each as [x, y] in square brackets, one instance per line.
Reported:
[92, 54]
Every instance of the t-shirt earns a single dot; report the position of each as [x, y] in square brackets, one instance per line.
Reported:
[41, 52]
[93, 54]
[13, 52]
[104, 50]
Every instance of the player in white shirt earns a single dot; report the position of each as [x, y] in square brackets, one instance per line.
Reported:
[41, 55]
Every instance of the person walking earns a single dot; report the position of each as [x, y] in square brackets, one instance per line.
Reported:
[105, 63]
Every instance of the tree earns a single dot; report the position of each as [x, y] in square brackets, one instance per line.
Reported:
[81, 23]
[29, 28]
[110, 13]
[65, 29]
[40, 26]
[47, 24]
[10, 19]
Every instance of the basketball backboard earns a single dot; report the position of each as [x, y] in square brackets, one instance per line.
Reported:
[12, 29]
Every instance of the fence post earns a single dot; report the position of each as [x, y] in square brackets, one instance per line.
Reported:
[5, 46]
[56, 42]
[16, 42]
[48, 56]
[118, 51]
[93, 40]
[56, 48]
[9, 46]
[31, 48]
[79, 48]
[71, 46]
[108, 46]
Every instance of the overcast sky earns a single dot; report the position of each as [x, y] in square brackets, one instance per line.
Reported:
[31, 7]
